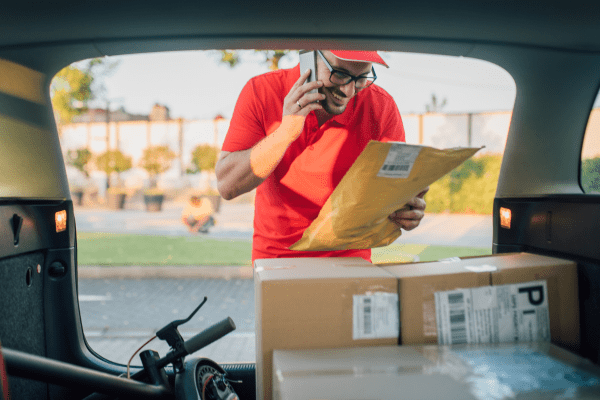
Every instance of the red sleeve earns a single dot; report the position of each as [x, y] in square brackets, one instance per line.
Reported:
[393, 128]
[246, 127]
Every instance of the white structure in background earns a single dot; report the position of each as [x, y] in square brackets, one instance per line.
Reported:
[182, 136]
[132, 137]
[459, 130]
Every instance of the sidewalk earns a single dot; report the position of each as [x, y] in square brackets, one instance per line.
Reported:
[165, 272]
[235, 221]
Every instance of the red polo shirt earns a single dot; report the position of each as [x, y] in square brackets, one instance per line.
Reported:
[292, 196]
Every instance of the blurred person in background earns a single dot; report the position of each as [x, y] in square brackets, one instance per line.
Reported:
[198, 214]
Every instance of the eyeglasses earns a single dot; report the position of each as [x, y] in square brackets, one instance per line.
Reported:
[341, 78]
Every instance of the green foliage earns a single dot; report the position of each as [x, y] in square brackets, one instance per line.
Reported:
[113, 161]
[272, 57]
[435, 106]
[71, 89]
[76, 85]
[204, 157]
[230, 57]
[156, 160]
[79, 159]
[590, 175]
[469, 188]
[460, 174]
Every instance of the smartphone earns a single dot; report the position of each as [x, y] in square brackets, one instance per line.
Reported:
[308, 60]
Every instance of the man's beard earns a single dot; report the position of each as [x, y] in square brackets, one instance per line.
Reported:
[330, 107]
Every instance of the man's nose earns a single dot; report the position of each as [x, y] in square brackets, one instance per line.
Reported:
[349, 88]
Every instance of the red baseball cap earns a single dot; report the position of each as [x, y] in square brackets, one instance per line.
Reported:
[361, 56]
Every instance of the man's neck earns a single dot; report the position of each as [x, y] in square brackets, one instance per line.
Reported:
[322, 116]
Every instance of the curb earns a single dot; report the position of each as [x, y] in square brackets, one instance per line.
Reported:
[165, 272]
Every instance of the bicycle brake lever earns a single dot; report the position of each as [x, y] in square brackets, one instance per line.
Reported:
[170, 333]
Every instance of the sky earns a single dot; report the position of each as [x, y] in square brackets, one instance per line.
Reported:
[195, 85]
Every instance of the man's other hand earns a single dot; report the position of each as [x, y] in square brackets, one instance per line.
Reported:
[410, 216]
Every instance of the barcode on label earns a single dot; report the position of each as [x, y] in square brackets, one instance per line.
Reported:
[375, 316]
[458, 326]
[368, 320]
[388, 167]
[458, 321]
[456, 299]
[399, 161]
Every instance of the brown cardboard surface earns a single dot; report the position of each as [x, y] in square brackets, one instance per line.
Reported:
[417, 284]
[563, 299]
[307, 303]
[315, 268]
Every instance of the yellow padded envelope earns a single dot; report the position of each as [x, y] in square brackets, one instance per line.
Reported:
[382, 180]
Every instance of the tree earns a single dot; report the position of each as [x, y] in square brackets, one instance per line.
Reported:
[590, 175]
[70, 91]
[272, 57]
[463, 172]
[204, 157]
[79, 159]
[75, 86]
[156, 160]
[113, 161]
[433, 106]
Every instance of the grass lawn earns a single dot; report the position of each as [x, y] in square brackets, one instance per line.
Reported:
[125, 249]
[396, 253]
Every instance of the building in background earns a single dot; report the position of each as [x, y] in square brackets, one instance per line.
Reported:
[131, 134]
[99, 115]
[159, 113]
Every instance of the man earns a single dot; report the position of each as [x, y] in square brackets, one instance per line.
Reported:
[296, 146]
[197, 214]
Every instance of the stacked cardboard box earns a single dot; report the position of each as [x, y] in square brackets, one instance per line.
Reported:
[311, 303]
[537, 283]
[320, 303]
[532, 370]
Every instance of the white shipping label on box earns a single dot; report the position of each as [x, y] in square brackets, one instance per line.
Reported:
[375, 316]
[493, 314]
[399, 161]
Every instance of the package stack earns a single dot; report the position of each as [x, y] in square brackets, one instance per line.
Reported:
[339, 321]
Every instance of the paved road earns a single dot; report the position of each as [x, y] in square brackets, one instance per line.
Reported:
[120, 314]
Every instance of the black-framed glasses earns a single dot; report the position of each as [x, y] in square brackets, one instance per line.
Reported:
[342, 78]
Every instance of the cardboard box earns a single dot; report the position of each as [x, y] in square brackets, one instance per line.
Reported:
[312, 303]
[532, 370]
[419, 283]
[563, 291]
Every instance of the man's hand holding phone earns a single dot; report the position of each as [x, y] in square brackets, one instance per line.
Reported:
[300, 101]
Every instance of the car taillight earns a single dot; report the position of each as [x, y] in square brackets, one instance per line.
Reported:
[61, 220]
[505, 216]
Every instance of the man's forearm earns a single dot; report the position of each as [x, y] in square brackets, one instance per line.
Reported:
[234, 174]
[241, 171]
